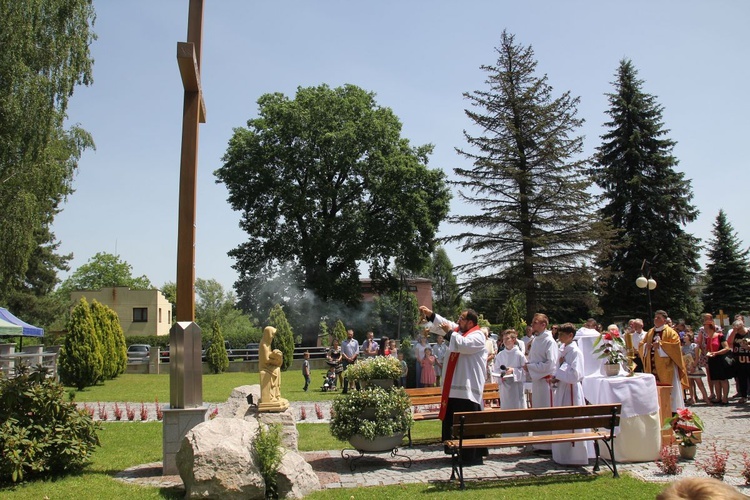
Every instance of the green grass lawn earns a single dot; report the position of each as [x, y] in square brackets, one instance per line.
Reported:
[216, 388]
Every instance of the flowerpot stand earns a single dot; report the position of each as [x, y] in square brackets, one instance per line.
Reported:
[352, 456]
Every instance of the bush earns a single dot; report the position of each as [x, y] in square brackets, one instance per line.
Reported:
[216, 354]
[284, 338]
[40, 433]
[81, 362]
[269, 454]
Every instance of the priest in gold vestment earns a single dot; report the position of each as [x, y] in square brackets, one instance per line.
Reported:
[661, 352]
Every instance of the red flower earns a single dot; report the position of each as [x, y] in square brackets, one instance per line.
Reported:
[684, 414]
[607, 336]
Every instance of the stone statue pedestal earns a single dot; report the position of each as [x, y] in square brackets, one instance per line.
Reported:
[285, 418]
[177, 422]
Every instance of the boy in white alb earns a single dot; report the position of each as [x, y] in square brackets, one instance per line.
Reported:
[511, 385]
[569, 392]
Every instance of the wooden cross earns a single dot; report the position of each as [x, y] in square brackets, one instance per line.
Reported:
[193, 113]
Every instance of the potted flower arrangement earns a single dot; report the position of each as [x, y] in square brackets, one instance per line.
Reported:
[377, 368]
[611, 347]
[685, 424]
[375, 419]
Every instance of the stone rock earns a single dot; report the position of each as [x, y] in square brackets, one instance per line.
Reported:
[216, 460]
[295, 478]
[289, 434]
[236, 406]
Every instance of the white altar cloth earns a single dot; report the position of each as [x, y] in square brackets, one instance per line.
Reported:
[639, 433]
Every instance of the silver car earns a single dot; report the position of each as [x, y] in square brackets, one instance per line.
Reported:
[139, 352]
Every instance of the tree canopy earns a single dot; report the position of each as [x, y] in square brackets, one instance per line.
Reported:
[325, 181]
[105, 270]
[727, 271]
[648, 202]
[536, 219]
[44, 56]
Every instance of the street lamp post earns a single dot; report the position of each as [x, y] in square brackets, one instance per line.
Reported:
[647, 282]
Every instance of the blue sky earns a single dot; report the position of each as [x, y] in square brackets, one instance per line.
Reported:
[419, 57]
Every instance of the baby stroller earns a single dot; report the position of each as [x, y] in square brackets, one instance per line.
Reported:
[329, 382]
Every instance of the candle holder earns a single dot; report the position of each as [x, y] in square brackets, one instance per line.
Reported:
[631, 361]
[630, 353]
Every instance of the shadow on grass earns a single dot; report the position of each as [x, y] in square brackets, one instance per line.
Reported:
[500, 483]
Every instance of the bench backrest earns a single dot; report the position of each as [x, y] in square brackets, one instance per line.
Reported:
[561, 418]
[432, 395]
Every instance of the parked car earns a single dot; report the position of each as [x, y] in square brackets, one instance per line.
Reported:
[139, 352]
[164, 354]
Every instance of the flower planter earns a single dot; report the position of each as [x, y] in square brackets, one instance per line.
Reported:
[612, 370]
[379, 444]
[380, 382]
[687, 452]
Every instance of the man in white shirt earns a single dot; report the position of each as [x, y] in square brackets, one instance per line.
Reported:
[349, 354]
[542, 363]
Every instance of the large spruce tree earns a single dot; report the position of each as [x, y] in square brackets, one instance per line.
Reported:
[648, 203]
[727, 272]
[529, 180]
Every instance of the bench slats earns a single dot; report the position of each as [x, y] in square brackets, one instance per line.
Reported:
[537, 413]
[526, 440]
[560, 424]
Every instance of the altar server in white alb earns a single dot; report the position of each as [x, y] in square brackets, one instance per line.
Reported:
[542, 363]
[569, 392]
[510, 381]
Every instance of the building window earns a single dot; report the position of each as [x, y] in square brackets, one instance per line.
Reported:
[160, 315]
[140, 314]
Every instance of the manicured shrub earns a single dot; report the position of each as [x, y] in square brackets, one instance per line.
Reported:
[40, 433]
[284, 338]
[81, 363]
[216, 354]
[339, 331]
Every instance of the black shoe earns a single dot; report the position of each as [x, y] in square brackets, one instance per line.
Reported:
[474, 461]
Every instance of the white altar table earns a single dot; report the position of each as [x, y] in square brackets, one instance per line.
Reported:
[639, 433]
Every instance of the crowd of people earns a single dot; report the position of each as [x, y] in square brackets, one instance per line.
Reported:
[464, 356]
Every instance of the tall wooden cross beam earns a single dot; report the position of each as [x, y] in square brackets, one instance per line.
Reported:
[193, 113]
[185, 368]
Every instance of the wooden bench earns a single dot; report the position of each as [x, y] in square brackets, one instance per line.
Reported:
[431, 396]
[484, 429]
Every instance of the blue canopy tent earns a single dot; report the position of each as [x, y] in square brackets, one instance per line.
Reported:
[8, 328]
[27, 330]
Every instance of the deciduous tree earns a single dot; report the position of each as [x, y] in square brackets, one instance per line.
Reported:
[324, 181]
[44, 56]
[105, 270]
